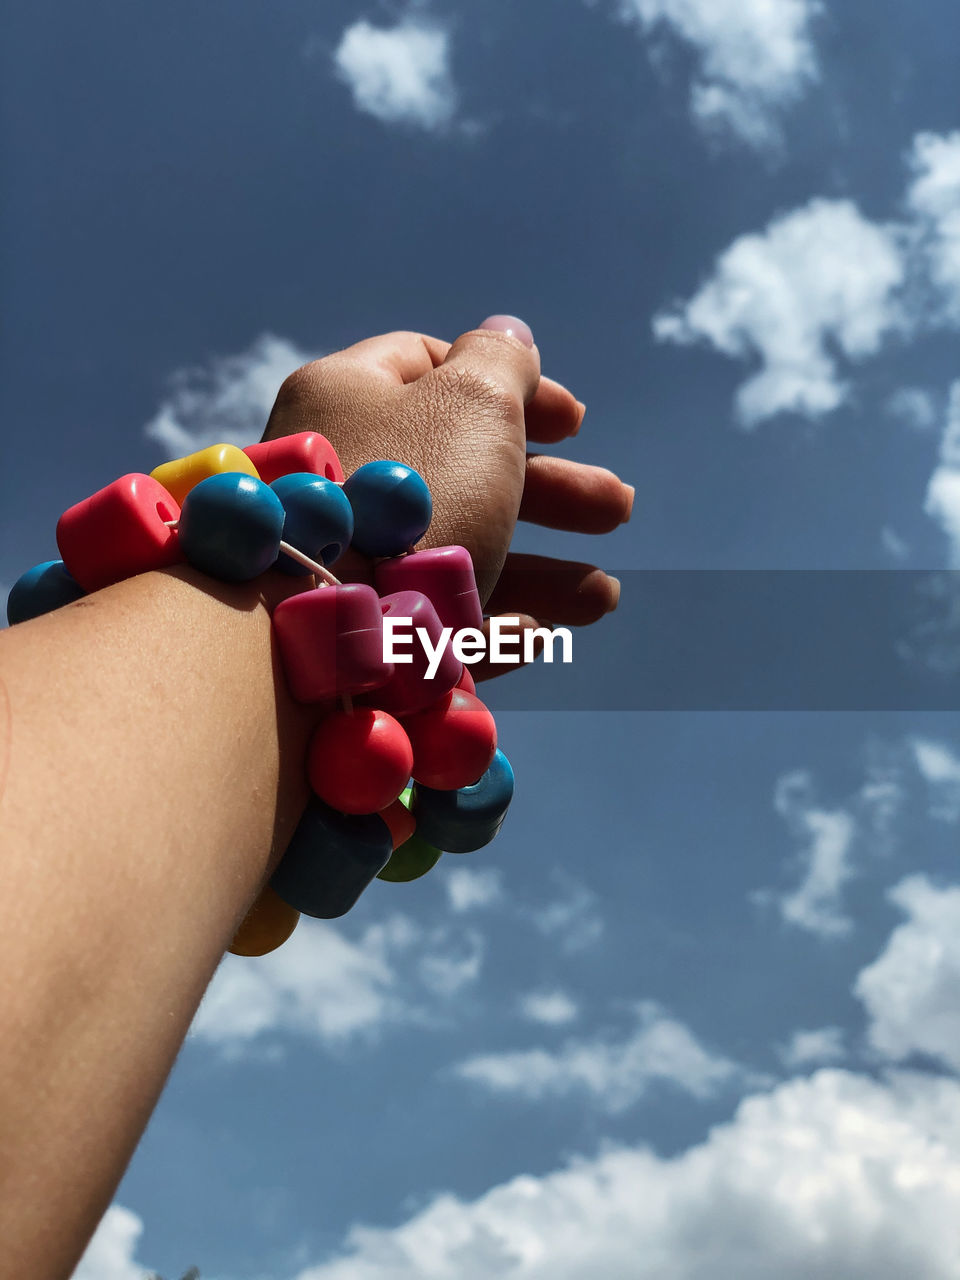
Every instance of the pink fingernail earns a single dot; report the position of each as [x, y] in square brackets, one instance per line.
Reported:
[510, 324]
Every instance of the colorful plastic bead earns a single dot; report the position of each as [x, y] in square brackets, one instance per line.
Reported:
[118, 532]
[359, 761]
[266, 926]
[319, 520]
[40, 590]
[445, 574]
[467, 682]
[413, 859]
[331, 642]
[392, 508]
[453, 741]
[331, 860]
[305, 451]
[400, 820]
[183, 474]
[467, 819]
[409, 689]
[231, 526]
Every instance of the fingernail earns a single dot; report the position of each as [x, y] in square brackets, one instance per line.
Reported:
[630, 493]
[616, 592]
[510, 324]
[583, 409]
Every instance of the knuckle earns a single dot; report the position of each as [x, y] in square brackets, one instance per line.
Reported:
[481, 391]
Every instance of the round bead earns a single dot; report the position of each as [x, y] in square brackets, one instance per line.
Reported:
[467, 819]
[453, 741]
[359, 761]
[118, 532]
[445, 574]
[467, 682]
[413, 859]
[318, 520]
[266, 926]
[392, 508]
[305, 451]
[410, 689]
[331, 641]
[331, 860]
[400, 820]
[40, 590]
[231, 526]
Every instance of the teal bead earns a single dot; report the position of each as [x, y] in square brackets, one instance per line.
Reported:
[231, 526]
[40, 590]
[464, 820]
[392, 508]
[331, 859]
[318, 520]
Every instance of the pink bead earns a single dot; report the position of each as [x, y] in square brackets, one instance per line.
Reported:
[119, 532]
[445, 575]
[307, 451]
[467, 682]
[331, 642]
[410, 690]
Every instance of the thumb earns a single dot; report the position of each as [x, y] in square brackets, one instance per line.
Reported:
[501, 355]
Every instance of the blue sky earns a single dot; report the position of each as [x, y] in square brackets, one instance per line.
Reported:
[695, 1012]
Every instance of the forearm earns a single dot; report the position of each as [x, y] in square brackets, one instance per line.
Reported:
[153, 769]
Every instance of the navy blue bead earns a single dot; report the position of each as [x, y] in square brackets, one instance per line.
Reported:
[40, 590]
[319, 519]
[230, 526]
[392, 508]
[464, 820]
[331, 860]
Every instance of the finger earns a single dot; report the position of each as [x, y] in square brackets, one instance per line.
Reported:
[401, 357]
[493, 365]
[553, 414]
[517, 624]
[565, 591]
[560, 494]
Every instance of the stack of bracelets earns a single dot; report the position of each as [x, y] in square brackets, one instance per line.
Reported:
[405, 762]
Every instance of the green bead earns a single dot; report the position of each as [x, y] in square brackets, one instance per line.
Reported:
[412, 860]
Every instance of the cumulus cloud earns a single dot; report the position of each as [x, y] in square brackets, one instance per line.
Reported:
[573, 917]
[910, 990]
[942, 502]
[110, 1253]
[468, 890]
[825, 860]
[226, 401]
[804, 1048]
[933, 198]
[914, 406]
[753, 57]
[939, 767]
[835, 1175]
[818, 282]
[613, 1073]
[551, 1008]
[400, 74]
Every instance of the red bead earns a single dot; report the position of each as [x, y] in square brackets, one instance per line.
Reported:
[453, 741]
[409, 689]
[445, 575]
[119, 532]
[467, 682]
[331, 641]
[359, 761]
[307, 451]
[401, 822]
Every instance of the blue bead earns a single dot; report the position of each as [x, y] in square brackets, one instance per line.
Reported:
[40, 590]
[319, 519]
[464, 820]
[392, 508]
[331, 860]
[231, 526]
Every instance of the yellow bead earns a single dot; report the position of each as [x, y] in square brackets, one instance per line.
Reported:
[266, 926]
[179, 476]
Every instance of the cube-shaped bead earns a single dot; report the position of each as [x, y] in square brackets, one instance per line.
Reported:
[411, 689]
[183, 474]
[331, 642]
[306, 451]
[445, 574]
[331, 860]
[119, 532]
[464, 820]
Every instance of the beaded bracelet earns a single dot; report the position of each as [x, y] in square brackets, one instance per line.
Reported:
[235, 513]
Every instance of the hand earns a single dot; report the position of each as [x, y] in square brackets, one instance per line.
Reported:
[462, 415]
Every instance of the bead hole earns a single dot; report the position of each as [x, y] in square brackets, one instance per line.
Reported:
[330, 553]
[164, 512]
[329, 472]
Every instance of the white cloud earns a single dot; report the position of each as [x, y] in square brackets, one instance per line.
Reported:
[943, 491]
[573, 918]
[614, 1073]
[226, 401]
[836, 1175]
[110, 1253]
[911, 990]
[552, 1008]
[819, 281]
[940, 769]
[400, 74]
[451, 960]
[914, 406]
[825, 1044]
[468, 889]
[934, 200]
[754, 57]
[826, 839]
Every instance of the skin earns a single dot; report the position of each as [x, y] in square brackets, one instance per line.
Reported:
[151, 761]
